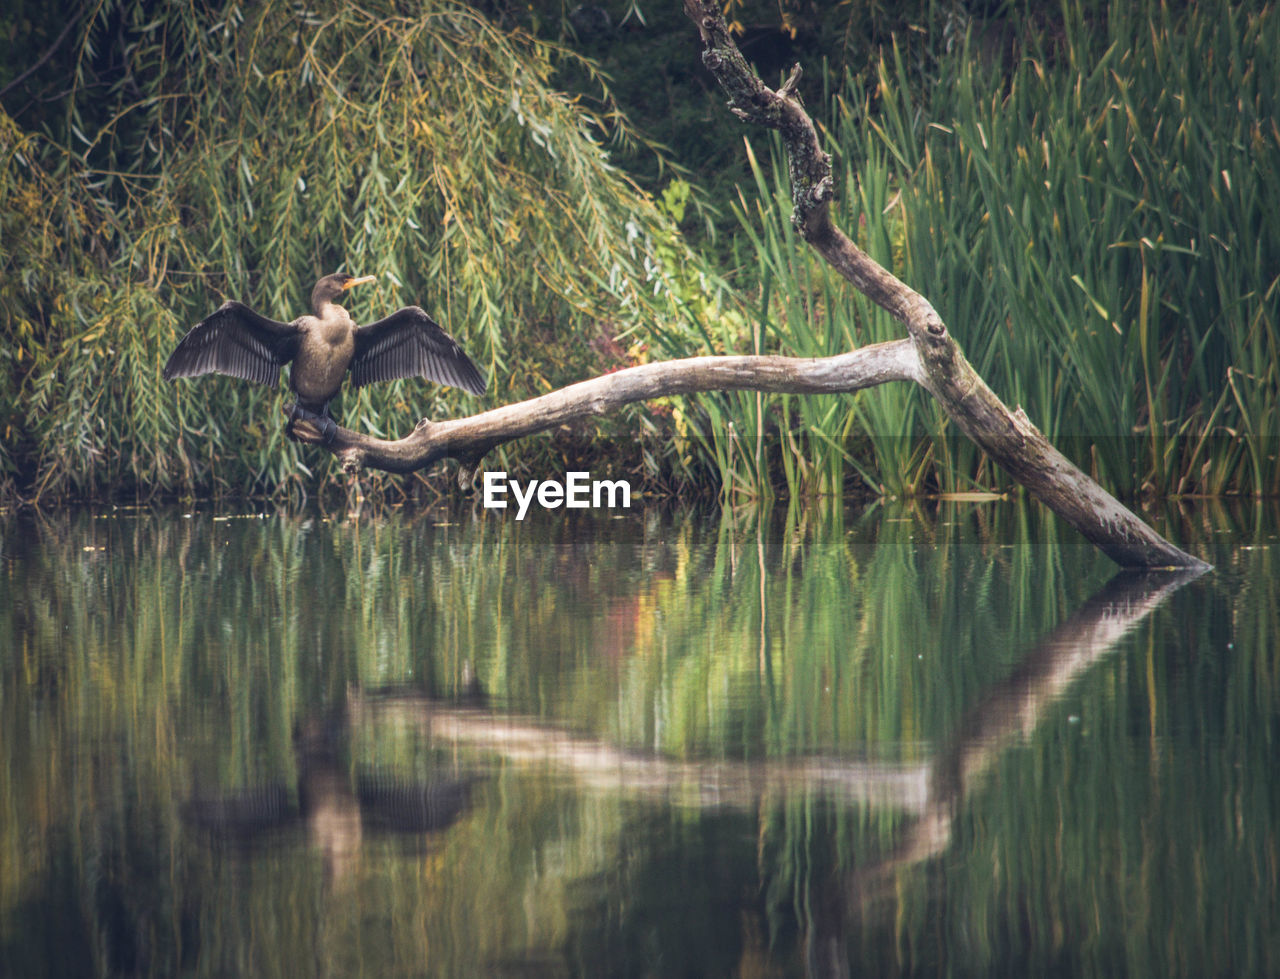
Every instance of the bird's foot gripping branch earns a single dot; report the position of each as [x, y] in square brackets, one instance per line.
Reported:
[322, 423]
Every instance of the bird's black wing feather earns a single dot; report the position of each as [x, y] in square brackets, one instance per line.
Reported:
[409, 343]
[237, 341]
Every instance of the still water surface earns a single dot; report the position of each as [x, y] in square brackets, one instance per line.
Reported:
[892, 741]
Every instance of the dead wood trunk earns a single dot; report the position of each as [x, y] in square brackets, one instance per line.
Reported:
[930, 356]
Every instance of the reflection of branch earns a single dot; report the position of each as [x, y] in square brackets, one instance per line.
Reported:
[1012, 709]
[596, 765]
[929, 792]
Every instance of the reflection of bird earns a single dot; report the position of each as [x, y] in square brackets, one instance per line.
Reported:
[336, 816]
[379, 802]
[236, 340]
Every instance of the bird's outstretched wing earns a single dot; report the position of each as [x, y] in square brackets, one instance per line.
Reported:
[237, 341]
[409, 343]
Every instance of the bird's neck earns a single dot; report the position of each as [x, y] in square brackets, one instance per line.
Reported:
[329, 310]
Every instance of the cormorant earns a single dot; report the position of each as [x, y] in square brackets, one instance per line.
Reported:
[236, 340]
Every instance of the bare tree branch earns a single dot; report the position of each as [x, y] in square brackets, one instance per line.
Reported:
[929, 357]
[57, 43]
[470, 438]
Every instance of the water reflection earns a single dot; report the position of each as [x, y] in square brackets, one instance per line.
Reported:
[885, 741]
[335, 810]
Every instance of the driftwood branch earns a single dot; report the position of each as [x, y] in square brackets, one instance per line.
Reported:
[929, 357]
[470, 438]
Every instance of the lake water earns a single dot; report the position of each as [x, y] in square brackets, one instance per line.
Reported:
[937, 740]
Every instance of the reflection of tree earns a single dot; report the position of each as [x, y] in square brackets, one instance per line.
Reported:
[928, 793]
[1013, 708]
[335, 810]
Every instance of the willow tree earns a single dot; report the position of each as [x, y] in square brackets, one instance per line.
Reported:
[242, 151]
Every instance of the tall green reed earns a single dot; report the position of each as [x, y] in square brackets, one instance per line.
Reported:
[1108, 199]
[806, 310]
[1092, 223]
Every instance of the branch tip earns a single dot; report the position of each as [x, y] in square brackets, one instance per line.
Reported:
[789, 86]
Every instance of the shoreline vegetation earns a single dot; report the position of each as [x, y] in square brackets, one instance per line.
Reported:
[1088, 200]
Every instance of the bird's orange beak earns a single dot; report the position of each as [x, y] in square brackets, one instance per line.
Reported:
[360, 281]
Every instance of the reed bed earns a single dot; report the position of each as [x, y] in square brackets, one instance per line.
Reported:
[1092, 216]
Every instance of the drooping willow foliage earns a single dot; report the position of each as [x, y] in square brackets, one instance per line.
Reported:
[243, 151]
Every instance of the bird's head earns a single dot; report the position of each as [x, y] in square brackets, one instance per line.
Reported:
[331, 287]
